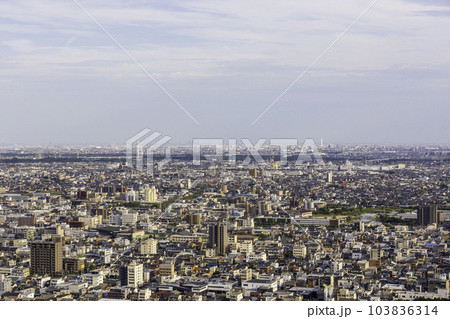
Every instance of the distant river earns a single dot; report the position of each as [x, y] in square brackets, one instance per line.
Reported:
[369, 218]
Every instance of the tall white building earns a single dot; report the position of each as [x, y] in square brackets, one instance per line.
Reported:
[105, 255]
[309, 204]
[130, 196]
[135, 274]
[330, 177]
[150, 194]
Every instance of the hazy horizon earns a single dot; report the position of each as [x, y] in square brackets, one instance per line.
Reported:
[187, 144]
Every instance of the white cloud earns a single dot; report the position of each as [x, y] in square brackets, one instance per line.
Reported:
[215, 34]
[241, 47]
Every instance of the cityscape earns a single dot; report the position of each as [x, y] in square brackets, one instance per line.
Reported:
[365, 223]
[169, 151]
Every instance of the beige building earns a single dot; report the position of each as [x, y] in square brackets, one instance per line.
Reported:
[299, 250]
[167, 269]
[149, 247]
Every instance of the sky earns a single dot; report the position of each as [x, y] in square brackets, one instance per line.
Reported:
[63, 80]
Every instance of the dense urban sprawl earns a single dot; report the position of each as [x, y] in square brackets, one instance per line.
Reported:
[371, 223]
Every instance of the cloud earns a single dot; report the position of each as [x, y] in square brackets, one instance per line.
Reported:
[436, 13]
[203, 35]
[245, 50]
[20, 45]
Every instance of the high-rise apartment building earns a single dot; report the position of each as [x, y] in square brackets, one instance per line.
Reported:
[150, 194]
[360, 226]
[132, 274]
[46, 257]
[218, 238]
[330, 177]
[194, 219]
[135, 274]
[427, 215]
